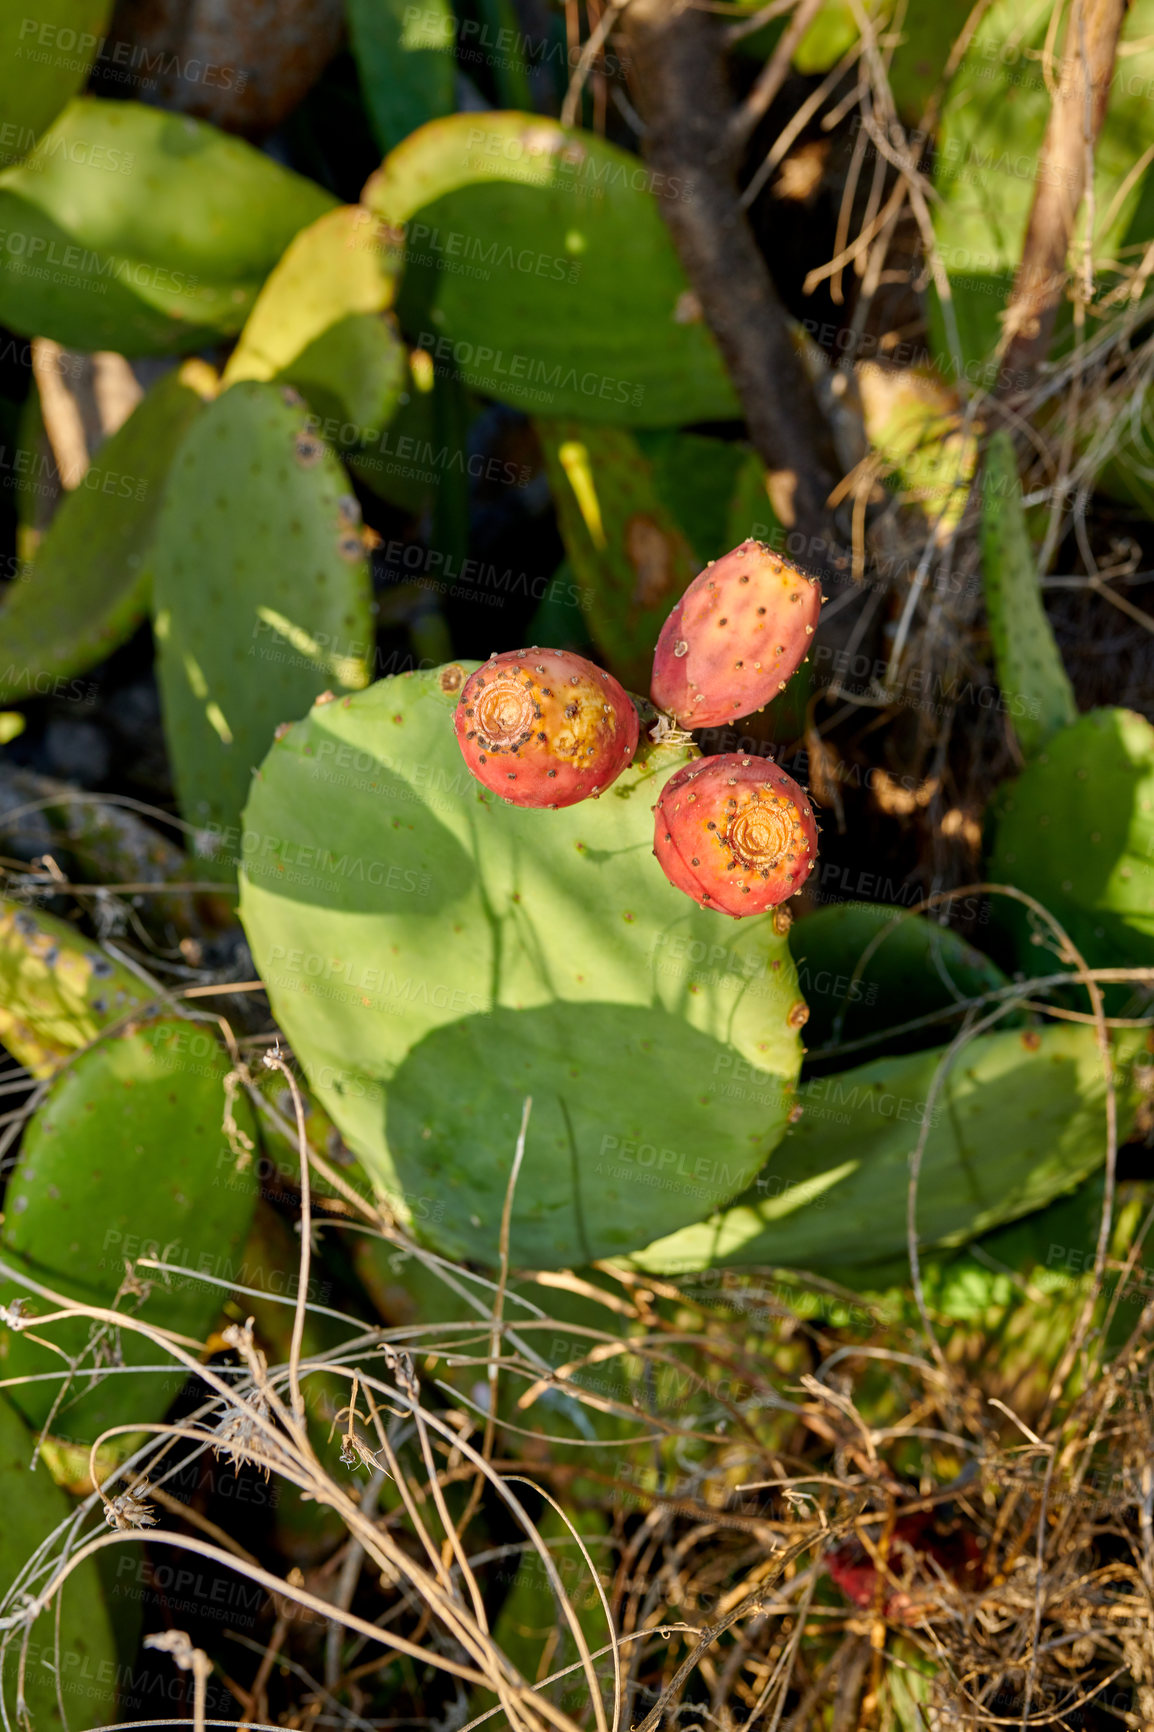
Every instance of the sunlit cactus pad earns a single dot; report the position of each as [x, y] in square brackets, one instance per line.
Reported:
[435, 956]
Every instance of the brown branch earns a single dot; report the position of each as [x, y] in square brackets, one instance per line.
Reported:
[1079, 107]
[681, 88]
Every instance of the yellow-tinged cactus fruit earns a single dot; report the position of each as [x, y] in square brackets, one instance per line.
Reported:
[737, 834]
[545, 727]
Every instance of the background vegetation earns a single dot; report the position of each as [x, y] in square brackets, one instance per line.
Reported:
[447, 1278]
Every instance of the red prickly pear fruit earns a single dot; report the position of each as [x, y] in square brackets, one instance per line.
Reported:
[737, 834]
[545, 727]
[740, 630]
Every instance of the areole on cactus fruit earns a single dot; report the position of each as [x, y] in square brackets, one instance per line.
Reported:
[545, 727]
[737, 834]
[740, 630]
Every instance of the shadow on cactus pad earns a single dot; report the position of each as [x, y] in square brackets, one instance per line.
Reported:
[612, 1142]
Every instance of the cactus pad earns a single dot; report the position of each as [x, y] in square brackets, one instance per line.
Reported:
[1076, 830]
[125, 1158]
[262, 592]
[187, 225]
[33, 1507]
[91, 578]
[915, 968]
[1034, 683]
[539, 267]
[57, 989]
[410, 926]
[1020, 1119]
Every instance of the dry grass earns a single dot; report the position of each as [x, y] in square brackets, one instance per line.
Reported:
[985, 1498]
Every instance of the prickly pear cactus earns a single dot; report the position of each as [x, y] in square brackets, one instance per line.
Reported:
[126, 1158]
[523, 187]
[1020, 1119]
[262, 594]
[741, 629]
[1034, 682]
[91, 579]
[1076, 830]
[35, 87]
[411, 927]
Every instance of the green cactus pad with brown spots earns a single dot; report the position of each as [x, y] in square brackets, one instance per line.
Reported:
[262, 595]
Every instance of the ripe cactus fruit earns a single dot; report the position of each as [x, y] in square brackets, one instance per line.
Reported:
[737, 834]
[545, 727]
[740, 630]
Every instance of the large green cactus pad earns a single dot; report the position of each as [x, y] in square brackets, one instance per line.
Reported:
[538, 261]
[262, 591]
[57, 989]
[1034, 683]
[1076, 830]
[863, 967]
[90, 583]
[1020, 1119]
[33, 1507]
[322, 323]
[142, 231]
[126, 1158]
[412, 928]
